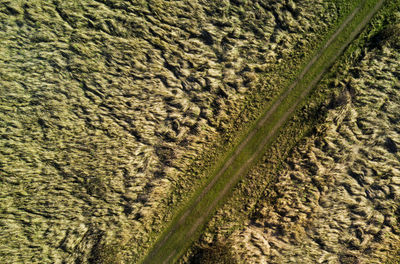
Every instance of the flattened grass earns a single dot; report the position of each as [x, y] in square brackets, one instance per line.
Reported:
[181, 232]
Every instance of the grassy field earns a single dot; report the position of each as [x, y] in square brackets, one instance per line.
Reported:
[240, 208]
[107, 107]
[178, 239]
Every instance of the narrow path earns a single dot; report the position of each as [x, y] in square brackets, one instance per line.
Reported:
[159, 253]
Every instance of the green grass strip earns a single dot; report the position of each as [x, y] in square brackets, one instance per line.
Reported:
[189, 222]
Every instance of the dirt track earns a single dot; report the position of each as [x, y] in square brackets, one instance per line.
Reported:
[105, 104]
[336, 199]
[260, 123]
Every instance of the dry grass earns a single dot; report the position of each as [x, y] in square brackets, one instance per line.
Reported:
[335, 179]
[106, 106]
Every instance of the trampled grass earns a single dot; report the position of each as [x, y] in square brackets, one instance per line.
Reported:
[257, 187]
[177, 234]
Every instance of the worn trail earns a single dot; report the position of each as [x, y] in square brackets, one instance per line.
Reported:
[171, 244]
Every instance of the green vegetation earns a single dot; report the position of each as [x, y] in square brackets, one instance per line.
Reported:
[218, 253]
[395, 259]
[201, 210]
[389, 35]
[240, 207]
[106, 254]
[112, 112]
[96, 96]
